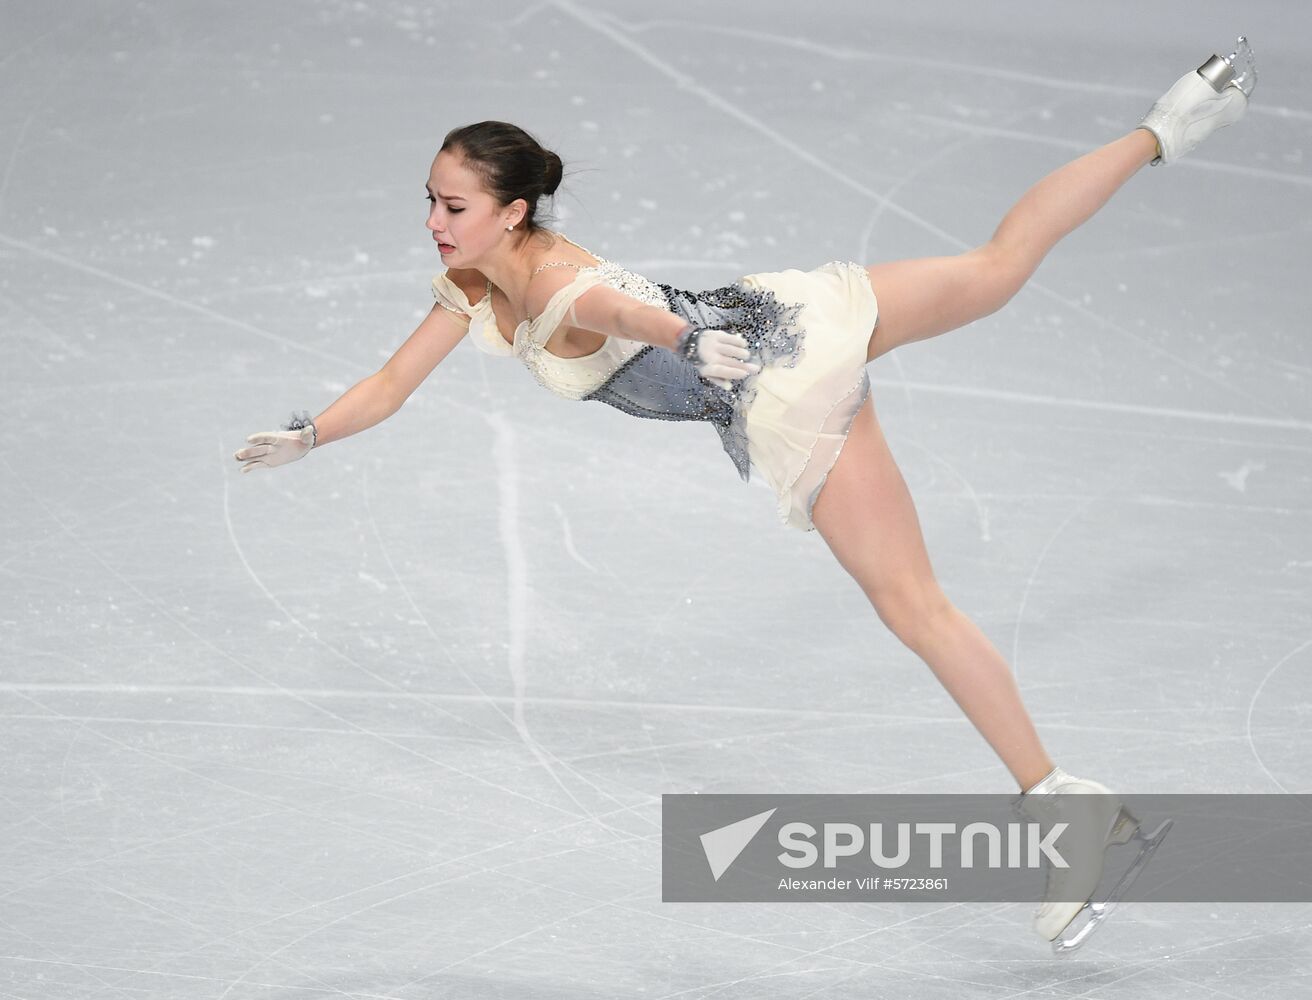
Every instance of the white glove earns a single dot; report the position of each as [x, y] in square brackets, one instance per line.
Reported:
[720, 356]
[272, 448]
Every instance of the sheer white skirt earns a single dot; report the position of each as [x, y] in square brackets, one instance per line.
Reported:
[800, 415]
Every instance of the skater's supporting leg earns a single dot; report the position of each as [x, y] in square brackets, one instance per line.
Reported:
[866, 515]
[927, 296]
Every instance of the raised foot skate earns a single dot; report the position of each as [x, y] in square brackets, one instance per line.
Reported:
[1209, 98]
[1091, 915]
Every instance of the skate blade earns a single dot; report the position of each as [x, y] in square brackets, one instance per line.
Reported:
[1244, 64]
[1083, 924]
[1091, 914]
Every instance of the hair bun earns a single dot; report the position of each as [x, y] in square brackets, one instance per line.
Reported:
[509, 164]
[554, 172]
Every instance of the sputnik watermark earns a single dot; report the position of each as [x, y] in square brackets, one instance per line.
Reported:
[848, 840]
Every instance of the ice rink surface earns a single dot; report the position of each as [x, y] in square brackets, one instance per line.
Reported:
[394, 721]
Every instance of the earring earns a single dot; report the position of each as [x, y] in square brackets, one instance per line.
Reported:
[509, 228]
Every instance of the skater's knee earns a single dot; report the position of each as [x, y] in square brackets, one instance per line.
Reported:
[914, 612]
[1004, 267]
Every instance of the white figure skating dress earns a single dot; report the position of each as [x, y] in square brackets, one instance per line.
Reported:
[809, 330]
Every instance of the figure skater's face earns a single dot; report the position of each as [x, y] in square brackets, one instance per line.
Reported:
[466, 221]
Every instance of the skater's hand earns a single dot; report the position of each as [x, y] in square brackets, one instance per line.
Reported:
[720, 356]
[272, 448]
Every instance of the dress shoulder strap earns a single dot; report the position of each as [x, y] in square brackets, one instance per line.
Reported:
[559, 263]
[570, 263]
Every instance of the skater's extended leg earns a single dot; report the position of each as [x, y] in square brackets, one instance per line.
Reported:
[866, 515]
[923, 297]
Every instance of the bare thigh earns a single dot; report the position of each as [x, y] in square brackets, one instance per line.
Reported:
[866, 516]
[923, 297]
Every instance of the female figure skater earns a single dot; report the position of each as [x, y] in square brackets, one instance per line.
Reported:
[776, 363]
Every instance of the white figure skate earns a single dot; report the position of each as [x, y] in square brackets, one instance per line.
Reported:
[1098, 820]
[1200, 102]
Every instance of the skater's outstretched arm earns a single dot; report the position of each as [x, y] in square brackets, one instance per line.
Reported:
[425, 349]
[377, 397]
[368, 402]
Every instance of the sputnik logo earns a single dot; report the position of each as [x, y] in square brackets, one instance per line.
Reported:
[723, 845]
